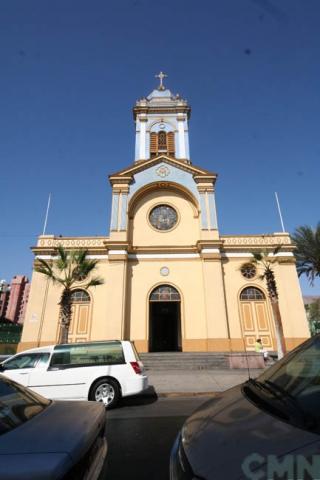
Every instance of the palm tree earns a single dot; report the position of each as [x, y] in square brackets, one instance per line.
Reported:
[264, 260]
[307, 241]
[69, 268]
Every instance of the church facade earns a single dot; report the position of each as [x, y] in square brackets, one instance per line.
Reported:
[171, 281]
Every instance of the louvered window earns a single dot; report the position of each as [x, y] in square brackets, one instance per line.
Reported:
[153, 144]
[162, 142]
[171, 143]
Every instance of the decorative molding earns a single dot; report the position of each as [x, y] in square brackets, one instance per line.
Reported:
[163, 171]
[55, 257]
[257, 240]
[84, 242]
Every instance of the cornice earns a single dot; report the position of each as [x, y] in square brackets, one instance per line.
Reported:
[147, 109]
[163, 249]
[199, 174]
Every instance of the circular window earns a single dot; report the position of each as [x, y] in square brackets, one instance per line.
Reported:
[248, 270]
[163, 217]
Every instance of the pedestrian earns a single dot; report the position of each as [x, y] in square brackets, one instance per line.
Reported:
[259, 349]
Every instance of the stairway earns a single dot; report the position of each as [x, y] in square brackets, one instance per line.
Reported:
[185, 360]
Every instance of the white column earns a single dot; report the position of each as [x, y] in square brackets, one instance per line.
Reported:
[143, 127]
[182, 145]
[137, 146]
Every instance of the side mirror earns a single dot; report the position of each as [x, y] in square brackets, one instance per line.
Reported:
[2, 368]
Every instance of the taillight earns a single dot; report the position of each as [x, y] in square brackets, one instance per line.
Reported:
[136, 367]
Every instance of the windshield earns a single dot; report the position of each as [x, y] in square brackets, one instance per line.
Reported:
[17, 405]
[295, 380]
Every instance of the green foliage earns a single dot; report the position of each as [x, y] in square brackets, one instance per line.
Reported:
[10, 332]
[313, 314]
[69, 268]
[265, 261]
[307, 241]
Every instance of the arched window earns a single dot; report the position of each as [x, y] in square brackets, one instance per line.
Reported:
[162, 141]
[80, 296]
[252, 293]
[165, 293]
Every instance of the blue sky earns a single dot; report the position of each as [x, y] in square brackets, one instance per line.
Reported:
[71, 71]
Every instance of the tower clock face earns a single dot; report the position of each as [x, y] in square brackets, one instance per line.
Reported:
[163, 217]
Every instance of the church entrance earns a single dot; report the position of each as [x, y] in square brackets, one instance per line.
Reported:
[164, 320]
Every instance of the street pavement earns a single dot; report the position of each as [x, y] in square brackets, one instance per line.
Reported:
[142, 429]
[140, 434]
[196, 382]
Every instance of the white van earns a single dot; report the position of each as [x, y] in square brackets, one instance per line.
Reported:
[101, 371]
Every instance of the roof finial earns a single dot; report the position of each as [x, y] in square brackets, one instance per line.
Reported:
[161, 76]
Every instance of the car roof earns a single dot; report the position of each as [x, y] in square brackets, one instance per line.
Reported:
[47, 348]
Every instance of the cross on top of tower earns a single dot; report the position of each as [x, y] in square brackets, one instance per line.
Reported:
[161, 76]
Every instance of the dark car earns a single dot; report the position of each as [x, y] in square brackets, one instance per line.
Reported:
[266, 428]
[42, 439]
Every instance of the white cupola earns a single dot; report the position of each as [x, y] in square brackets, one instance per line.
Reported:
[162, 125]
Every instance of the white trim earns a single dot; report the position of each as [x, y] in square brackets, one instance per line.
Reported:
[248, 254]
[55, 257]
[117, 252]
[236, 255]
[210, 250]
[137, 256]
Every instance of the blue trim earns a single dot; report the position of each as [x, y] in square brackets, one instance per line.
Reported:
[124, 202]
[213, 211]
[114, 211]
[204, 220]
[174, 175]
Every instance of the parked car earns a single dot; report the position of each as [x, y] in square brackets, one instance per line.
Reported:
[100, 371]
[266, 428]
[43, 439]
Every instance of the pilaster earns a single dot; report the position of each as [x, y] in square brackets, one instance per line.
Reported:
[215, 304]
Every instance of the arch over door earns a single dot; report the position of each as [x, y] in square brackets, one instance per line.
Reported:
[164, 319]
[255, 319]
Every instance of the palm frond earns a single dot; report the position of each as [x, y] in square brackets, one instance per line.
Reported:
[94, 282]
[307, 253]
[46, 269]
[62, 261]
[257, 256]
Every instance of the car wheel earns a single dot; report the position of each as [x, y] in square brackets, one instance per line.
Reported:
[106, 391]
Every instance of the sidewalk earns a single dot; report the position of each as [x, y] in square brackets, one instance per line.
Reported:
[196, 382]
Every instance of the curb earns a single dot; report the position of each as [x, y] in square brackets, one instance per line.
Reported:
[186, 394]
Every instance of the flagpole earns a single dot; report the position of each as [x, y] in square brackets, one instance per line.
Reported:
[47, 213]
[279, 210]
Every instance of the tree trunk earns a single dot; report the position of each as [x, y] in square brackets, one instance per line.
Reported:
[281, 346]
[65, 316]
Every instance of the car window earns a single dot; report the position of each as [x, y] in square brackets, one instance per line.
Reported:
[110, 353]
[21, 361]
[17, 405]
[43, 359]
[297, 376]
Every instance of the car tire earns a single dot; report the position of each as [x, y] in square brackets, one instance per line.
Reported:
[105, 390]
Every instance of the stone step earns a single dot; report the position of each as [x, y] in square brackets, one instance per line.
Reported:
[184, 360]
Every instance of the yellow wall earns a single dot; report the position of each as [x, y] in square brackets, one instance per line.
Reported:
[209, 285]
[187, 231]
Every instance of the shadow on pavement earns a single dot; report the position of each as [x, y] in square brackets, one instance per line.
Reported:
[145, 398]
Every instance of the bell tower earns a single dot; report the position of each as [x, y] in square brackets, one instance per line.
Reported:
[162, 125]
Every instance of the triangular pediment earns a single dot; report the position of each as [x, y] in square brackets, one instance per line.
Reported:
[146, 164]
